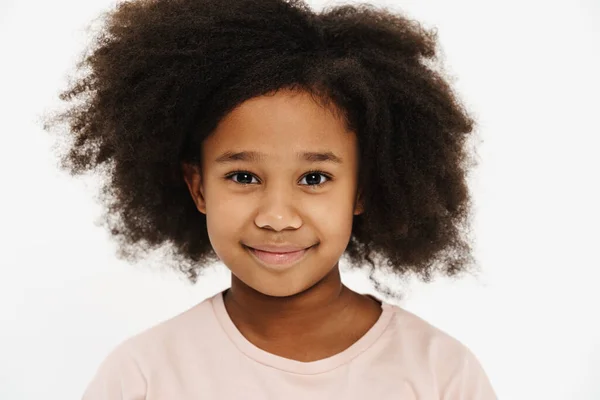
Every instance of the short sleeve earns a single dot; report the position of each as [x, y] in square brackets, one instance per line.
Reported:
[117, 378]
[470, 382]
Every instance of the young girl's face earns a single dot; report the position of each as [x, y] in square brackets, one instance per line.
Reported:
[257, 189]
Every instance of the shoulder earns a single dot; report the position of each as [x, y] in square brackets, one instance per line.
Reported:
[124, 372]
[179, 330]
[453, 367]
[428, 338]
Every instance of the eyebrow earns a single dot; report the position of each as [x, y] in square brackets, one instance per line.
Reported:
[253, 156]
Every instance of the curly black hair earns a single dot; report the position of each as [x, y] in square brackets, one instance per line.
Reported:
[161, 74]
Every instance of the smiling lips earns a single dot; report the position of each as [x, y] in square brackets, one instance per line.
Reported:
[278, 256]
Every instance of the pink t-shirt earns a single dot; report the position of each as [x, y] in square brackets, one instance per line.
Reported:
[201, 355]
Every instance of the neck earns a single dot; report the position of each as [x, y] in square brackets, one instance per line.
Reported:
[315, 311]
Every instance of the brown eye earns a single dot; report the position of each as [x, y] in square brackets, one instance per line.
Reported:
[315, 178]
[244, 178]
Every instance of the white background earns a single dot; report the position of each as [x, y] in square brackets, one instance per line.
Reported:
[529, 70]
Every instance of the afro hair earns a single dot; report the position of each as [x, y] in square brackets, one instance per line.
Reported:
[160, 75]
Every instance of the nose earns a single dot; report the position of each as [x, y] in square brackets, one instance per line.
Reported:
[277, 210]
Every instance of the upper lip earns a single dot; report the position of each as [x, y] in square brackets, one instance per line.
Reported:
[281, 248]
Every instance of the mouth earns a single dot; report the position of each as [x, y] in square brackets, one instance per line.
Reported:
[278, 260]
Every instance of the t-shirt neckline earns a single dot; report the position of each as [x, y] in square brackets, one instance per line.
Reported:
[295, 366]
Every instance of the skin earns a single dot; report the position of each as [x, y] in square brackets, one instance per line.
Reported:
[304, 313]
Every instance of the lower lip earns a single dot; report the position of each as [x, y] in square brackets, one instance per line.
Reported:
[278, 261]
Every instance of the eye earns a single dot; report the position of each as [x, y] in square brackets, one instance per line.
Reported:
[313, 178]
[244, 177]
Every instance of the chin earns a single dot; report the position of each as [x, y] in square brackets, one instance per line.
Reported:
[296, 287]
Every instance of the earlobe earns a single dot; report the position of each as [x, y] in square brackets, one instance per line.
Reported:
[359, 204]
[193, 179]
[358, 210]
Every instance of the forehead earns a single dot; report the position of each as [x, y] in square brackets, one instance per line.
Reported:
[281, 125]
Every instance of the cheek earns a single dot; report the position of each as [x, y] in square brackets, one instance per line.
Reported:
[224, 222]
[225, 214]
[332, 216]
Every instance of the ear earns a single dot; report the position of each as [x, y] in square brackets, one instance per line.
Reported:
[359, 206]
[193, 179]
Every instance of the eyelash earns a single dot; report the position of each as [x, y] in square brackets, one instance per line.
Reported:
[232, 174]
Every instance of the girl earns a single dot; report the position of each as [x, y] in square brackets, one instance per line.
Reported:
[277, 140]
